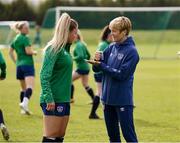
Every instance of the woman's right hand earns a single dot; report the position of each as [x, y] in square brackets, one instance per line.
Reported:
[50, 106]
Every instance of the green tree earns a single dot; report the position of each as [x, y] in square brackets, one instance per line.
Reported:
[20, 10]
[43, 7]
[17, 10]
[2, 9]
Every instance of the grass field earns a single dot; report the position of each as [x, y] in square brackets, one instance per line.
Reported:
[156, 95]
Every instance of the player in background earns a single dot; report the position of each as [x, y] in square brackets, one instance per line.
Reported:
[25, 71]
[3, 127]
[106, 39]
[80, 55]
[37, 38]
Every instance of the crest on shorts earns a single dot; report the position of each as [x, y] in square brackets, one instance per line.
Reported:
[122, 109]
[60, 108]
[120, 56]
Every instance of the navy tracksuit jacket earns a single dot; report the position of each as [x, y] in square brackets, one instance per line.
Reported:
[118, 66]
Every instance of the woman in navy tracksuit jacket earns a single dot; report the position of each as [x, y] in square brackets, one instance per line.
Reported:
[118, 66]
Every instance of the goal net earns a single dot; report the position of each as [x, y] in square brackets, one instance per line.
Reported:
[155, 29]
[6, 33]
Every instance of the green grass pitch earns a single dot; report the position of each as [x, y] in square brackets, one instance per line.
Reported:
[156, 96]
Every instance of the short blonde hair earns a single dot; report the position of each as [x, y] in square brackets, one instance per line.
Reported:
[121, 23]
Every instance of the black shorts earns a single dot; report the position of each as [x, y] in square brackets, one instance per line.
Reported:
[61, 109]
[98, 77]
[82, 72]
[24, 71]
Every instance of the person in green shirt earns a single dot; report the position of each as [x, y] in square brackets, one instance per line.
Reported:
[106, 39]
[24, 63]
[3, 127]
[37, 38]
[80, 55]
[56, 78]
[2, 67]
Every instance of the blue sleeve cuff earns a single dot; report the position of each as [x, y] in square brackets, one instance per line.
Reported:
[102, 65]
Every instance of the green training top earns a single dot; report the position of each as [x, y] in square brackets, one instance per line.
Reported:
[2, 61]
[56, 76]
[2, 66]
[19, 43]
[102, 45]
[80, 53]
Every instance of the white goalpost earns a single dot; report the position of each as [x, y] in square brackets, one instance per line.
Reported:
[6, 33]
[114, 9]
[153, 22]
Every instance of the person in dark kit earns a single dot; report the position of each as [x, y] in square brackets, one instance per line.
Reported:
[80, 55]
[25, 71]
[118, 66]
[37, 38]
[106, 39]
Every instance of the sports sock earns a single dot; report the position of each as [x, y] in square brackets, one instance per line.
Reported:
[1, 117]
[95, 105]
[46, 139]
[25, 101]
[21, 96]
[59, 139]
[90, 92]
[28, 93]
[72, 91]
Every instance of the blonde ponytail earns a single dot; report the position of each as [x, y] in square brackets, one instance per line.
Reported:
[17, 26]
[61, 33]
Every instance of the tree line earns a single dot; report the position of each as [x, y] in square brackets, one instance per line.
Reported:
[21, 10]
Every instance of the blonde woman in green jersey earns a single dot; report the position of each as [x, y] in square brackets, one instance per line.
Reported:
[25, 71]
[56, 77]
[80, 55]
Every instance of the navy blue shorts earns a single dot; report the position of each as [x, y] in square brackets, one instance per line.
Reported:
[82, 72]
[24, 71]
[98, 77]
[61, 109]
